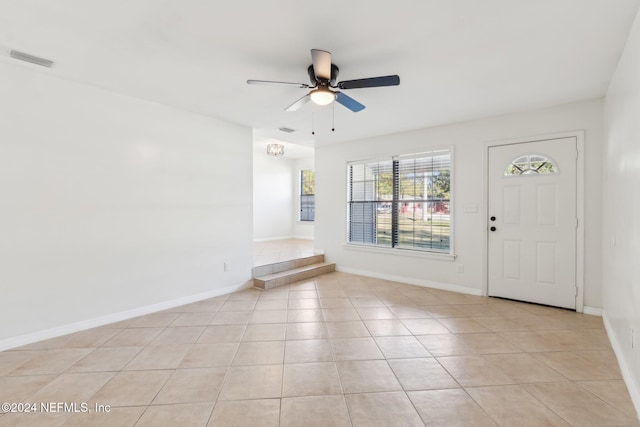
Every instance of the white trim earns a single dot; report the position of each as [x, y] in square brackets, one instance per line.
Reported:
[580, 188]
[411, 281]
[593, 311]
[21, 340]
[303, 238]
[400, 252]
[269, 239]
[633, 384]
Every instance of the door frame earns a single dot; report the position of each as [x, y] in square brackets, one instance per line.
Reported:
[579, 273]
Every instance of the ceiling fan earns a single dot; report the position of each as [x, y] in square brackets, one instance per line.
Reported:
[323, 75]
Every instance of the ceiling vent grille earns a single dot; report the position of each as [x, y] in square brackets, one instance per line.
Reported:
[286, 130]
[30, 58]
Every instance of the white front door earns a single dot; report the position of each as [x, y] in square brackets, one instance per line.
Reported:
[532, 222]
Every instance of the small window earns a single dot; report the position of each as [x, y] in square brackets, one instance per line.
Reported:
[531, 164]
[307, 195]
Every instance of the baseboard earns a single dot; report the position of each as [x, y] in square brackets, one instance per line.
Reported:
[21, 340]
[633, 384]
[302, 238]
[593, 311]
[411, 281]
[270, 239]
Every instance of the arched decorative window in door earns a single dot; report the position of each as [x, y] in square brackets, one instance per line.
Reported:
[531, 164]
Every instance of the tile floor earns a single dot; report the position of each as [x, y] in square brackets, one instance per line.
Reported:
[274, 251]
[339, 350]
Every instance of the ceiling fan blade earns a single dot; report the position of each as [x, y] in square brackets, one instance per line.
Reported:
[321, 63]
[370, 82]
[349, 102]
[299, 103]
[270, 82]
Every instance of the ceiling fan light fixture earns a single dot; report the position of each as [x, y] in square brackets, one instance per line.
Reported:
[322, 96]
[275, 149]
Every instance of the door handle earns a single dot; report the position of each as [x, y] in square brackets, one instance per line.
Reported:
[492, 229]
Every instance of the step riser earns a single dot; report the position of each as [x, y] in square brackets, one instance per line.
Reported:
[294, 277]
[278, 267]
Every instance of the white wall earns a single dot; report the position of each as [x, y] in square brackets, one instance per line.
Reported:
[301, 229]
[469, 141]
[273, 200]
[109, 203]
[621, 225]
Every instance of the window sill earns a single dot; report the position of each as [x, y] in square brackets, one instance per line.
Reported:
[304, 222]
[401, 252]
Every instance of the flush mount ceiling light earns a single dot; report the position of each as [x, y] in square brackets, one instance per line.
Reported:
[275, 149]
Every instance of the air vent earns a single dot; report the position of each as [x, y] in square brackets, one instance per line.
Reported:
[30, 58]
[286, 130]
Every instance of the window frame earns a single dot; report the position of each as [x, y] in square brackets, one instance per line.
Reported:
[302, 195]
[405, 251]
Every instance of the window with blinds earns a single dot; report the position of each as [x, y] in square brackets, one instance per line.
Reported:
[402, 202]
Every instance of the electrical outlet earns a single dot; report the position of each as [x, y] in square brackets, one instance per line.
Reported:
[460, 268]
[227, 266]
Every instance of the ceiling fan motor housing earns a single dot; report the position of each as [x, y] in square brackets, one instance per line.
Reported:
[321, 82]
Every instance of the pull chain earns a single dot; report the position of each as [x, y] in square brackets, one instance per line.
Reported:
[333, 116]
[313, 122]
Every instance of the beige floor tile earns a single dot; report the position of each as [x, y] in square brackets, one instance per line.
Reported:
[301, 351]
[355, 349]
[366, 302]
[269, 316]
[136, 337]
[425, 326]
[51, 343]
[473, 371]
[513, 406]
[303, 316]
[422, 374]
[532, 341]
[302, 294]
[271, 304]
[445, 345]
[121, 417]
[206, 306]
[502, 323]
[77, 387]
[259, 353]
[303, 304]
[615, 393]
[403, 312]
[179, 335]
[303, 285]
[265, 332]
[238, 305]
[310, 379]
[576, 367]
[193, 319]
[488, 343]
[132, 388]
[382, 409]
[449, 408]
[106, 359]
[10, 360]
[278, 293]
[192, 414]
[90, 338]
[232, 318]
[335, 303]
[375, 313]
[52, 361]
[348, 329]
[16, 389]
[158, 357]
[306, 331]
[380, 328]
[246, 413]
[476, 310]
[209, 355]
[462, 325]
[576, 405]
[340, 314]
[367, 376]
[191, 385]
[252, 382]
[401, 347]
[523, 368]
[222, 333]
[37, 419]
[250, 294]
[154, 320]
[314, 411]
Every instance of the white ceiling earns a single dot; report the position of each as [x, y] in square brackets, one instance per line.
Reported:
[457, 59]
